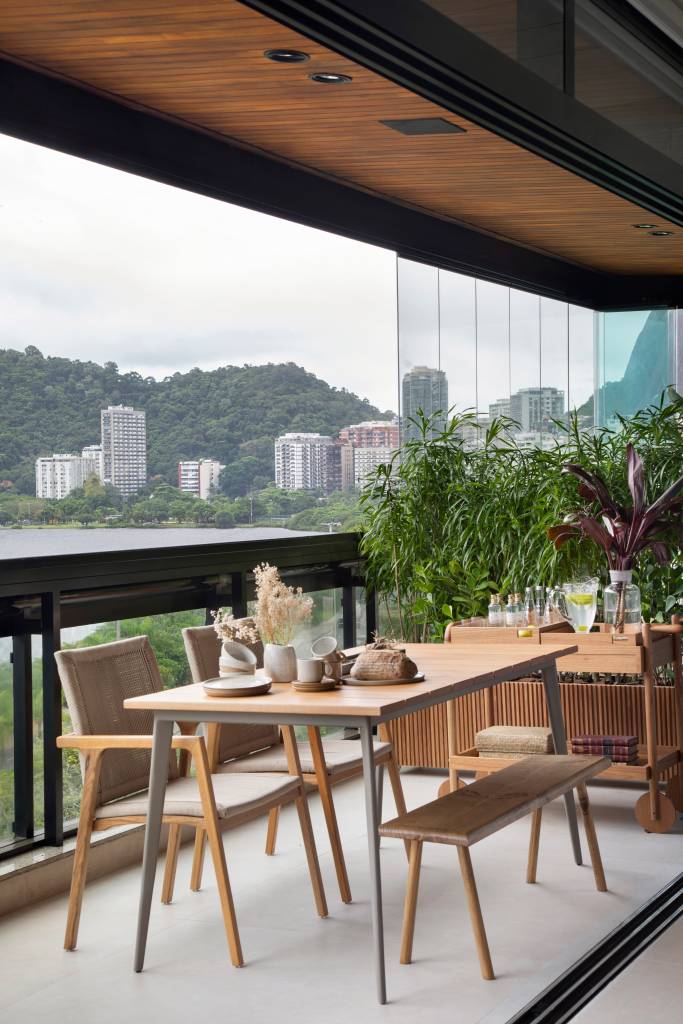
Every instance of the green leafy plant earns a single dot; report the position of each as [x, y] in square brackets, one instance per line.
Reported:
[447, 522]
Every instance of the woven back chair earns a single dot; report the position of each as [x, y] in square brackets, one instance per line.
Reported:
[324, 762]
[115, 750]
[203, 649]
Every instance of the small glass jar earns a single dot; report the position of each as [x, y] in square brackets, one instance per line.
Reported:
[621, 586]
[496, 611]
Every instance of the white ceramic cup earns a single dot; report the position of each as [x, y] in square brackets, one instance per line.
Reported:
[309, 670]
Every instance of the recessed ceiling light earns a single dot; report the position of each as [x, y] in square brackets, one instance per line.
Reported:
[661, 234]
[643, 227]
[329, 78]
[287, 56]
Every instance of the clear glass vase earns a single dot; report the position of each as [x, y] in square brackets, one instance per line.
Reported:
[621, 600]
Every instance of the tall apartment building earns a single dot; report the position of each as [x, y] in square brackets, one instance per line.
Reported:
[501, 407]
[371, 434]
[423, 388]
[58, 475]
[199, 476]
[124, 448]
[307, 462]
[535, 409]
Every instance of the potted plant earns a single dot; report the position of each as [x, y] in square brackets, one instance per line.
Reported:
[623, 532]
[279, 610]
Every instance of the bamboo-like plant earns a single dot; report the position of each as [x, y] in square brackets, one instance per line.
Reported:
[446, 523]
[623, 532]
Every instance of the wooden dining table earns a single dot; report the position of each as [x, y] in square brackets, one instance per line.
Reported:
[451, 670]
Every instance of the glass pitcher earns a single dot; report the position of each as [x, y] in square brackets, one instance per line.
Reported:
[577, 602]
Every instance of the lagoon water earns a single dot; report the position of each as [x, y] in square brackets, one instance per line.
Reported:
[32, 542]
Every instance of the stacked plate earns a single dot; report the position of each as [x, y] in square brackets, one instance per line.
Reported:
[237, 686]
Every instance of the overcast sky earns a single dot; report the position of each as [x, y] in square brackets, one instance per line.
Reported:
[98, 264]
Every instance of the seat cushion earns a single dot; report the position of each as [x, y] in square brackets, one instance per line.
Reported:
[235, 794]
[340, 756]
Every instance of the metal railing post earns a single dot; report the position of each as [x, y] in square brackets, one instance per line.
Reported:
[22, 689]
[52, 721]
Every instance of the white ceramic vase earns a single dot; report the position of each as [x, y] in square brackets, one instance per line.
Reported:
[279, 662]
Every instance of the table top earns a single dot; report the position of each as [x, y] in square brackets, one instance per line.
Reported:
[450, 670]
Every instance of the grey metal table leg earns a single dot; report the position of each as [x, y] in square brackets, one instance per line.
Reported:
[380, 794]
[554, 704]
[372, 817]
[158, 778]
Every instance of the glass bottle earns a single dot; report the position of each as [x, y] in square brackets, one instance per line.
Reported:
[539, 604]
[519, 610]
[496, 612]
[530, 618]
[621, 600]
[511, 611]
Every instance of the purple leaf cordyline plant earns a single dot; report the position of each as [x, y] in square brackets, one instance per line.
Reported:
[624, 532]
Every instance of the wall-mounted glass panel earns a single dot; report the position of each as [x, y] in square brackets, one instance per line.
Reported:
[634, 361]
[422, 383]
[529, 31]
[621, 78]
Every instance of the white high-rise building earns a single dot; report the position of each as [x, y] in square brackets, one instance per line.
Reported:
[57, 475]
[307, 462]
[199, 476]
[124, 448]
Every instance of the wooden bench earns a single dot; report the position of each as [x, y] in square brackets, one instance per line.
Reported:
[467, 815]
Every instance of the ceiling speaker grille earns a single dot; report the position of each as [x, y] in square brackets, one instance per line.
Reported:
[424, 126]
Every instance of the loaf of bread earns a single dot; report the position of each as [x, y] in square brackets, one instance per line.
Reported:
[383, 664]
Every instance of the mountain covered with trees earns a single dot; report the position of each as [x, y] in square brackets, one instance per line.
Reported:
[52, 404]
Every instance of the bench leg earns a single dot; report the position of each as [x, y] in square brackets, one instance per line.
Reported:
[271, 834]
[475, 914]
[410, 905]
[591, 839]
[534, 840]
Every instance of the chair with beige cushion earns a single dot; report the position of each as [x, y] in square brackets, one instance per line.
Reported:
[238, 748]
[114, 746]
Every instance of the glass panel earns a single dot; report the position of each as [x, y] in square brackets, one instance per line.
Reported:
[493, 350]
[423, 385]
[529, 31]
[634, 362]
[6, 742]
[525, 366]
[458, 347]
[554, 368]
[581, 365]
[621, 78]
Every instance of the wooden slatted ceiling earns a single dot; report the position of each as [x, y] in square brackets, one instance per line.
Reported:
[203, 63]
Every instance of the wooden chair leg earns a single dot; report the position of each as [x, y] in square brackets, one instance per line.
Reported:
[210, 823]
[294, 766]
[591, 839]
[410, 905]
[198, 859]
[271, 834]
[474, 909]
[85, 821]
[172, 848]
[325, 791]
[395, 778]
[534, 839]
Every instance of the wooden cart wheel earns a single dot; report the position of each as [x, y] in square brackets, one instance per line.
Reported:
[667, 814]
[674, 791]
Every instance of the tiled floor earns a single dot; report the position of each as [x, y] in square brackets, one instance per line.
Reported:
[648, 990]
[306, 969]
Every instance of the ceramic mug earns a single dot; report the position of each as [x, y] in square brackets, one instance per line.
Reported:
[309, 670]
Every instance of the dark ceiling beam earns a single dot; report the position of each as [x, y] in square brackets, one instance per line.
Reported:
[418, 47]
[46, 110]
